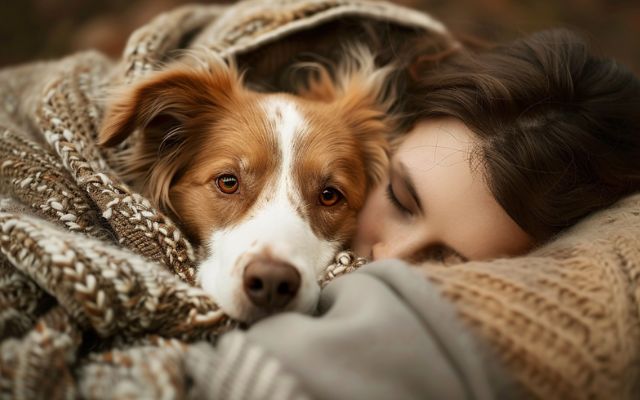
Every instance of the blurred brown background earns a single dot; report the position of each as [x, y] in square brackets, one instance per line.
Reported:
[36, 29]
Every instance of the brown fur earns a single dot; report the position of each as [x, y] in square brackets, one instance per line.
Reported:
[347, 152]
[198, 123]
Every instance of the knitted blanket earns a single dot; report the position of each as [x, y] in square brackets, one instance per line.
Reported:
[96, 285]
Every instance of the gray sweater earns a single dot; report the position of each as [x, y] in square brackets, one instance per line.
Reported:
[383, 332]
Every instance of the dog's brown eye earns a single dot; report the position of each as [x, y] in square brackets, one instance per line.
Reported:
[227, 183]
[330, 197]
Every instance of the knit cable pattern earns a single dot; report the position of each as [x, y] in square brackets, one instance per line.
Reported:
[97, 295]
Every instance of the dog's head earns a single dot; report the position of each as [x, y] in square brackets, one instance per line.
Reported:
[268, 185]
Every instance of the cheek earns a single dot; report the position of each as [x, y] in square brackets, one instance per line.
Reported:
[200, 210]
[191, 205]
[337, 224]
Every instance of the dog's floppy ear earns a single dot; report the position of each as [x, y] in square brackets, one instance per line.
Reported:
[169, 108]
[167, 99]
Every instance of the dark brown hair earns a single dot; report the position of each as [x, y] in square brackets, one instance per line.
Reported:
[559, 127]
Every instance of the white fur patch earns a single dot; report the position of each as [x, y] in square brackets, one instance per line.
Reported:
[274, 226]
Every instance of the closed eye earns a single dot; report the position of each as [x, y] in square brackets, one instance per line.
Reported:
[447, 256]
[396, 203]
[440, 254]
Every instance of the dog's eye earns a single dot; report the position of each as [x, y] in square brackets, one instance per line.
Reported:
[227, 183]
[330, 197]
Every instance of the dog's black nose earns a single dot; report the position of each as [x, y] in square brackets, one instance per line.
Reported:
[271, 284]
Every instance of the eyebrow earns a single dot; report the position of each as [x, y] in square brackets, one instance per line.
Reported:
[407, 179]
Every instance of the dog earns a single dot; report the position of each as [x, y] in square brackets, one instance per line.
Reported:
[268, 185]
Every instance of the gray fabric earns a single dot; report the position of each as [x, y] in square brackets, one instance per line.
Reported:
[238, 370]
[383, 332]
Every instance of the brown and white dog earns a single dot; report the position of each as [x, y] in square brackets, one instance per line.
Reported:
[267, 184]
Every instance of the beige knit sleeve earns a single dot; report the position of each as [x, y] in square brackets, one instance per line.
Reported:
[565, 320]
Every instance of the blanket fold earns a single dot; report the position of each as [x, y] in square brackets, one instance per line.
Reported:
[90, 271]
[97, 295]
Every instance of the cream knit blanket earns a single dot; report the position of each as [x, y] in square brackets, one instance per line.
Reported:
[96, 284]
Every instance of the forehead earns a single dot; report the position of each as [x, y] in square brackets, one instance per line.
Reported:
[282, 113]
[265, 125]
[437, 156]
[442, 141]
[312, 135]
[296, 119]
[278, 132]
[459, 208]
[240, 136]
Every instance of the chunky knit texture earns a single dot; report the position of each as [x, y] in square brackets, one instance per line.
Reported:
[96, 294]
[96, 285]
[565, 319]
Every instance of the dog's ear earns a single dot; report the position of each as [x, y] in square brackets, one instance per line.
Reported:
[372, 127]
[317, 85]
[168, 108]
[364, 96]
[164, 102]
[361, 93]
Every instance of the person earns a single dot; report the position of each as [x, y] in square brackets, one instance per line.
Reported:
[561, 322]
[505, 149]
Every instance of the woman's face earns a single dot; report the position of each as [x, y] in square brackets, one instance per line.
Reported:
[436, 203]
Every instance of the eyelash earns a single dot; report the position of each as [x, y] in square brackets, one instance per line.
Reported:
[396, 203]
[447, 255]
[442, 254]
[439, 254]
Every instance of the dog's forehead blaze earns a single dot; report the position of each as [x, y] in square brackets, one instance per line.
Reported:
[288, 126]
[242, 144]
